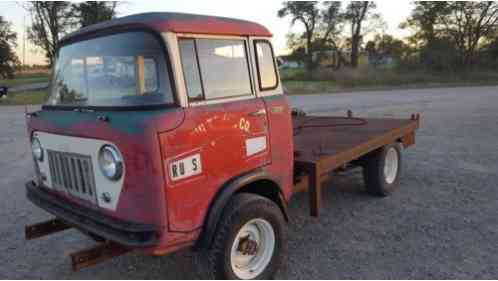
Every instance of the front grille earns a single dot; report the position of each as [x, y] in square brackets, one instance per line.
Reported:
[73, 174]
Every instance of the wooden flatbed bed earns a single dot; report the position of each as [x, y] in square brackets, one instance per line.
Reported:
[325, 144]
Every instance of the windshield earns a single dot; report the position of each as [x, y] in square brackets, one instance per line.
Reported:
[125, 69]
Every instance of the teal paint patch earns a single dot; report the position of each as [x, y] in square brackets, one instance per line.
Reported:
[274, 97]
[64, 119]
[129, 122]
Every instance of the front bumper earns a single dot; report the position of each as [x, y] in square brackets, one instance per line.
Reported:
[125, 233]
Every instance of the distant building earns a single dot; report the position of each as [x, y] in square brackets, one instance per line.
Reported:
[288, 62]
[331, 58]
[384, 61]
[326, 58]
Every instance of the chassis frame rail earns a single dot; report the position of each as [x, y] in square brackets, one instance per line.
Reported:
[42, 229]
[97, 254]
[84, 258]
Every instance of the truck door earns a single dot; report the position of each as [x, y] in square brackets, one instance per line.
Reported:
[269, 88]
[225, 132]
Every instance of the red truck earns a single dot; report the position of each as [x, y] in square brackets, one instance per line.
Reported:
[166, 131]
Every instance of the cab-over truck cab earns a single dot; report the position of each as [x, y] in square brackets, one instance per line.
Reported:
[165, 131]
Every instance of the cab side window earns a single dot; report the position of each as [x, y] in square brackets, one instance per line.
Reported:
[265, 60]
[215, 68]
[191, 71]
[151, 81]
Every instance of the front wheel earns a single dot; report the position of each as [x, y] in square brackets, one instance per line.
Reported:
[249, 243]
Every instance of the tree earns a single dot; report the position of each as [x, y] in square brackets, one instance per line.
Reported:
[8, 58]
[307, 13]
[331, 22]
[440, 54]
[423, 20]
[50, 22]
[386, 45]
[466, 24]
[490, 56]
[321, 24]
[357, 12]
[436, 50]
[92, 12]
[331, 29]
[54, 19]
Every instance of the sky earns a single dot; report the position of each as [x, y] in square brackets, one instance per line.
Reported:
[261, 11]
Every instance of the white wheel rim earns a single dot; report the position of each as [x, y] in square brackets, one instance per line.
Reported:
[391, 165]
[248, 264]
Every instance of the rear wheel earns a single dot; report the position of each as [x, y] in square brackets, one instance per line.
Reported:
[382, 169]
[249, 242]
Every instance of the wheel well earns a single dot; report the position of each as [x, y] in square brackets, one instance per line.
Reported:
[269, 190]
[256, 182]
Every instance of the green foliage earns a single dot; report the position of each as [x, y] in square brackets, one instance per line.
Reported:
[439, 54]
[461, 27]
[331, 22]
[307, 13]
[423, 20]
[304, 11]
[447, 35]
[322, 24]
[92, 12]
[357, 12]
[8, 58]
[387, 46]
[52, 20]
[489, 56]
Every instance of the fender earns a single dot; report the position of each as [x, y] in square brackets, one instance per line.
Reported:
[224, 195]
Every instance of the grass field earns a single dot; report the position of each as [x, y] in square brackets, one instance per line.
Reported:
[25, 98]
[298, 82]
[325, 81]
[22, 79]
[28, 97]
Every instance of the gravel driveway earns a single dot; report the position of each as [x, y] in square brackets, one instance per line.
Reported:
[442, 223]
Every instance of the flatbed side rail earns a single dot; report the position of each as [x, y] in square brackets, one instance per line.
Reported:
[317, 172]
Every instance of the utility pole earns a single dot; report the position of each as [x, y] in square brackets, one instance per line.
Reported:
[24, 42]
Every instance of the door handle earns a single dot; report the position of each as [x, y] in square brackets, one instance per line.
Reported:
[260, 112]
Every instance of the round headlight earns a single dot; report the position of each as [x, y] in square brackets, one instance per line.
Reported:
[111, 162]
[37, 149]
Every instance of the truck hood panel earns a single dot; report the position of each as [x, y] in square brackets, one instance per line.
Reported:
[135, 133]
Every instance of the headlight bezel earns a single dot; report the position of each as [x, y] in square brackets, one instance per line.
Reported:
[113, 173]
[37, 149]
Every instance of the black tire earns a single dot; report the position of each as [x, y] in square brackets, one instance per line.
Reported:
[373, 171]
[214, 262]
